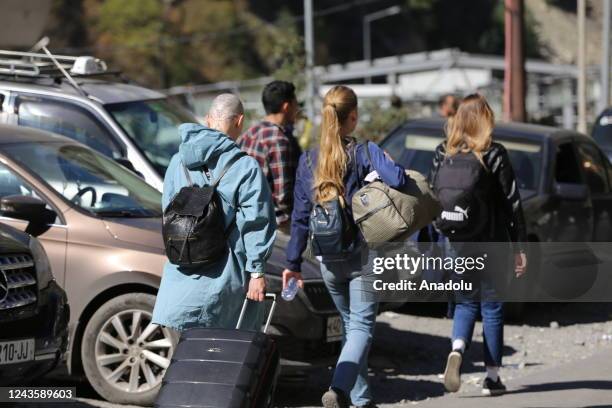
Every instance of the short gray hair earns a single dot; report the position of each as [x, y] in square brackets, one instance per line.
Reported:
[225, 107]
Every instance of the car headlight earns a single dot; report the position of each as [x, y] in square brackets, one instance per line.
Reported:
[41, 263]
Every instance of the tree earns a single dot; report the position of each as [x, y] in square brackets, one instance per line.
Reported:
[191, 41]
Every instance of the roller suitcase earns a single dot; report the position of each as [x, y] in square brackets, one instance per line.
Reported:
[222, 368]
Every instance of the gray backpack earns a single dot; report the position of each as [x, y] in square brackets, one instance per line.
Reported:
[384, 214]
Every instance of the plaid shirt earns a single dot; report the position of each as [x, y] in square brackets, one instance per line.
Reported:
[278, 155]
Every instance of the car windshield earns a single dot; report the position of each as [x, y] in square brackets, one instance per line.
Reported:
[414, 149]
[88, 179]
[153, 125]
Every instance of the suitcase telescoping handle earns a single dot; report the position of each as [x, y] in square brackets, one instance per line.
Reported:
[244, 306]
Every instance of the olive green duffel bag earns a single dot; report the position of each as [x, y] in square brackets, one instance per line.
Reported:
[384, 214]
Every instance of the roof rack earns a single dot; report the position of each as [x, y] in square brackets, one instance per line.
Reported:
[34, 65]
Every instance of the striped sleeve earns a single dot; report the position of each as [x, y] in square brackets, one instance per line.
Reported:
[501, 168]
[439, 154]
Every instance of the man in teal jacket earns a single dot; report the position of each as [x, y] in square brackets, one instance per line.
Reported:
[212, 296]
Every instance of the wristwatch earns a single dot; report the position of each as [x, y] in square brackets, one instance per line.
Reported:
[257, 275]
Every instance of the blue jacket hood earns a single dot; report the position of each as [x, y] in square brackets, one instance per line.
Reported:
[200, 144]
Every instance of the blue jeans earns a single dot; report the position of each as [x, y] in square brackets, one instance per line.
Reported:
[467, 307]
[492, 314]
[344, 282]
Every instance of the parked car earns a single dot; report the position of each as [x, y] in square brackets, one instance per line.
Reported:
[33, 308]
[132, 124]
[564, 179]
[602, 132]
[106, 250]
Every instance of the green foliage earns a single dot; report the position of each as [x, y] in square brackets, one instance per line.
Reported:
[165, 43]
[288, 54]
[161, 43]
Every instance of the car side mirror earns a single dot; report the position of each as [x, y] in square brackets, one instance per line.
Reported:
[571, 191]
[128, 165]
[29, 209]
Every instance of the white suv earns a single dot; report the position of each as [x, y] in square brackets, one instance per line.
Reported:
[134, 125]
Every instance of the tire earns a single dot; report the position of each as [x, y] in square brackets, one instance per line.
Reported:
[124, 365]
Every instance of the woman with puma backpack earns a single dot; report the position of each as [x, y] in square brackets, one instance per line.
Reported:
[326, 179]
[473, 178]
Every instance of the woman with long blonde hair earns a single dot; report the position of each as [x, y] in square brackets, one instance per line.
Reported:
[489, 210]
[332, 173]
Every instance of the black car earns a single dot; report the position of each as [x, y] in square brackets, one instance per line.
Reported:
[602, 132]
[564, 178]
[565, 181]
[33, 310]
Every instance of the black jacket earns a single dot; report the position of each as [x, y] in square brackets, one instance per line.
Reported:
[507, 220]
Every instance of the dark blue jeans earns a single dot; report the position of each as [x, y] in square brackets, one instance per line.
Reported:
[492, 313]
[481, 301]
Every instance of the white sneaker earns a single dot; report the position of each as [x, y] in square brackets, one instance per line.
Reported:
[452, 373]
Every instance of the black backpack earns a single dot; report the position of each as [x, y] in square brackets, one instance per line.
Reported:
[462, 184]
[332, 232]
[193, 223]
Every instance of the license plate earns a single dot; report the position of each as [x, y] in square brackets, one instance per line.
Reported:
[334, 328]
[18, 351]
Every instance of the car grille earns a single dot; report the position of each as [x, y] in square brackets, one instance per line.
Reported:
[17, 281]
[319, 296]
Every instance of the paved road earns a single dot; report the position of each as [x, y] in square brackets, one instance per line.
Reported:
[584, 383]
[560, 355]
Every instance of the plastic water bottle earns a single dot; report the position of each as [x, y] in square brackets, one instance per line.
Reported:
[290, 291]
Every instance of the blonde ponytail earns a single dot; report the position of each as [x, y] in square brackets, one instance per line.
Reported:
[339, 102]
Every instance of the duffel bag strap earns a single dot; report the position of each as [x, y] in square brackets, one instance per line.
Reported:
[353, 152]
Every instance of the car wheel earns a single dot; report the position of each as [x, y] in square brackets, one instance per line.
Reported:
[124, 355]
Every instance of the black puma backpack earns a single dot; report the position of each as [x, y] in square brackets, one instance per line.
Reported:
[462, 184]
[193, 223]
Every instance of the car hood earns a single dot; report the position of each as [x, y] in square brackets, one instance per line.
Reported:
[276, 264]
[137, 231]
[13, 241]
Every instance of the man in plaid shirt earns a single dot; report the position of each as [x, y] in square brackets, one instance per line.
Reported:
[271, 143]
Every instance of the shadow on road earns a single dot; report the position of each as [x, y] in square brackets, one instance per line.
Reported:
[398, 352]
[534, 314]
[561, 386]
[395, 355]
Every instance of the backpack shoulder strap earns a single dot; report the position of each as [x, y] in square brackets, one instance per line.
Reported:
[187, 175]
[227, 167]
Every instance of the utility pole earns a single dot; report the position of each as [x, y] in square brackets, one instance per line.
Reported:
[309, 48]
[582, 126]
[604, 101]
[514, 74]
